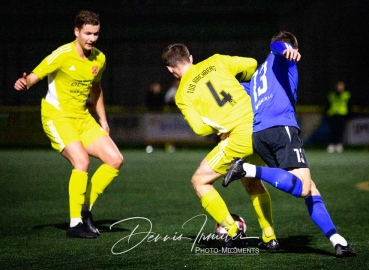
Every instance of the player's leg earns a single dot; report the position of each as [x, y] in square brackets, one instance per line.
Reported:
[338, 127]
[78, 157]
[211, 201]
[279, 147]
[296, 181]
[240, 145]
[219, 159]
[99, 144]
[320, 216]
[262, 204]
[296, 184]
[64, 137]
[315, 205]
[105, 149]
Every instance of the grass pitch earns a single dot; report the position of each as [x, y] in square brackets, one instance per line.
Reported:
[150, 216]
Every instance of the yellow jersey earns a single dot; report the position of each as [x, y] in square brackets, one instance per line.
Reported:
[69, 79]
[212, 99]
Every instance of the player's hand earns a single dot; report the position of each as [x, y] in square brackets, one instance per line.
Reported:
[21, 83]
[292, 55]
[105, 125]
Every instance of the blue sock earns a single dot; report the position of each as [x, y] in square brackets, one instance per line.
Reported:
[280, 179]
[319, 214]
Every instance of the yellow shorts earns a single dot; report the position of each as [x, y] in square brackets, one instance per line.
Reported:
[237, 145]
[63, 131]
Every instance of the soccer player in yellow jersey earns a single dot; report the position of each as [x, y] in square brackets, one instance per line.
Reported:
[213, 101]
[74, 73]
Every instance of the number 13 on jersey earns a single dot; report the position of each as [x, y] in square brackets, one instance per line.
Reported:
[260, 81]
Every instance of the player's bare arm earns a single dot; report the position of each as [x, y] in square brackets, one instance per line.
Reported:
[25, 82]
[98, 102]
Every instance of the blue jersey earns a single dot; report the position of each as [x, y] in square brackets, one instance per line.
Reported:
[273, 90]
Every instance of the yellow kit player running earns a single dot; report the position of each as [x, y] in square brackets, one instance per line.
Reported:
[74, 73]
[213, 101]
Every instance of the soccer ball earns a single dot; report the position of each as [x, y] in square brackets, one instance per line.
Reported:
[241, 225]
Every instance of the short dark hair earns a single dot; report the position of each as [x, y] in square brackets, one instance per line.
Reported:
[86, 17]
[175, 54]
[286, 37]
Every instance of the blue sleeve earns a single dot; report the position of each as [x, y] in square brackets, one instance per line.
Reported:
[246, 87]
[277, 47]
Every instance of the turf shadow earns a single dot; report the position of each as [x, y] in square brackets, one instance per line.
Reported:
[300, 244]
[102, 225]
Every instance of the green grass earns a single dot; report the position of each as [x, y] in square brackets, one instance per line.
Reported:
[34, 215]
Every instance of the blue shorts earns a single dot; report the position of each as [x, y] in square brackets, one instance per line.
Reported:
[280, 147]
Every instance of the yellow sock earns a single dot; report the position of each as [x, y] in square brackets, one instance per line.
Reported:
[103, 176]
[77, 190]
[213, 203]
[263, 208]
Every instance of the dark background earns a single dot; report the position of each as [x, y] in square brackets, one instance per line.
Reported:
[332, 39]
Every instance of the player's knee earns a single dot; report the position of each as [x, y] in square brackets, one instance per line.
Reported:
[116, 161]
[307, 188]
[199, 184]
[314, 190]
[305, 193]
[81, 163]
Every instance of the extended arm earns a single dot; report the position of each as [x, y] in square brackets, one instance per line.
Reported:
[25, 82]
[285, 50]
[287, 56]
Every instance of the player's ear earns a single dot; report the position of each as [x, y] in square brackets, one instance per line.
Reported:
[191, 59]
[76, 31]
[170, 69]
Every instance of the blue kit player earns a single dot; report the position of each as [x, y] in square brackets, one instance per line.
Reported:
[275, 136]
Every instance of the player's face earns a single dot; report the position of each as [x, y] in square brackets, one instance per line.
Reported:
[87, 36]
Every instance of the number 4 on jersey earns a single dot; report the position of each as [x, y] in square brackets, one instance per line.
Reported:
[226, 97]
